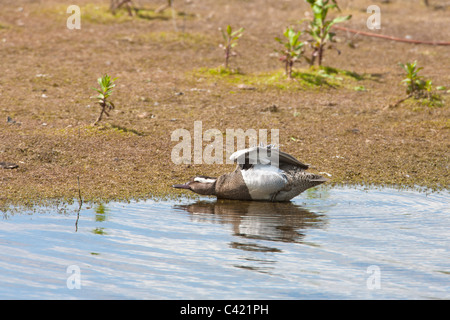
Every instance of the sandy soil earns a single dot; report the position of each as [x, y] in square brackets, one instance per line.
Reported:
[163, 62]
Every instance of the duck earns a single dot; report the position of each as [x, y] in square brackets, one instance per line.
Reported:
[263, 173]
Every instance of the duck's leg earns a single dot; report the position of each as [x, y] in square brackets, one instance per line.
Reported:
[274, 196]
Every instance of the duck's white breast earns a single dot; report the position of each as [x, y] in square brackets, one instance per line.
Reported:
[263, 181]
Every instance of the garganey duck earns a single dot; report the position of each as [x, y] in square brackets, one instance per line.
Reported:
[262, 173]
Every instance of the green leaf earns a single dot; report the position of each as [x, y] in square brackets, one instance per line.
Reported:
[337, 20]
[223, 34]
[300, 46]
[341, 19]
[330, 6]
[238, 33]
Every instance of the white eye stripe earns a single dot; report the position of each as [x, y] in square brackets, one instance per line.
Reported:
[204, 180]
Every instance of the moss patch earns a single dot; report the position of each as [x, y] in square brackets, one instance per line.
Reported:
[311, 78]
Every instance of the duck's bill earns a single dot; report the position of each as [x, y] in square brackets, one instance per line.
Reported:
[181, 186]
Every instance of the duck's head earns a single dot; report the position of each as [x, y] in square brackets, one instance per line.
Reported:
[200, 184]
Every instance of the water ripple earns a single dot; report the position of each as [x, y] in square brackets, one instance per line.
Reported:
[319, 246]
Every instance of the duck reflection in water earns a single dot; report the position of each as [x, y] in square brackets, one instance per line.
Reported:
[260, 226]
[272, 221]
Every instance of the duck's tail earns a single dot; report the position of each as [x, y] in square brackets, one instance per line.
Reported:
[317, 178]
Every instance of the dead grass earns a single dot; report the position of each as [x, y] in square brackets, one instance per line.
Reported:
[341, 126]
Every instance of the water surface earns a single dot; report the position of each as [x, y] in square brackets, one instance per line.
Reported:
[340, 243]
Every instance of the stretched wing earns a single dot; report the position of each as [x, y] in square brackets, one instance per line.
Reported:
[264, 155]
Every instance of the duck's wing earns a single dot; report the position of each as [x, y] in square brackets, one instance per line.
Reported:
[288, 159]
[242, 156]
[268, 155]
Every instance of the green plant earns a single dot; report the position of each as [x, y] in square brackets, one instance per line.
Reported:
[415, 86]
[292, 51]
[418, 87]
[319, 27]
[106, 87]
[231, 40]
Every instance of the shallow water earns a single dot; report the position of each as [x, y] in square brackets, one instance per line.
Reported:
[339, 243]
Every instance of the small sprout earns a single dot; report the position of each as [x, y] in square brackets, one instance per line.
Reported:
[231, 40]
[319, 27]
[292, 51]
[106, 84]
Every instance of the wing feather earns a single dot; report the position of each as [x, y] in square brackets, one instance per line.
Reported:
[264, 155]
